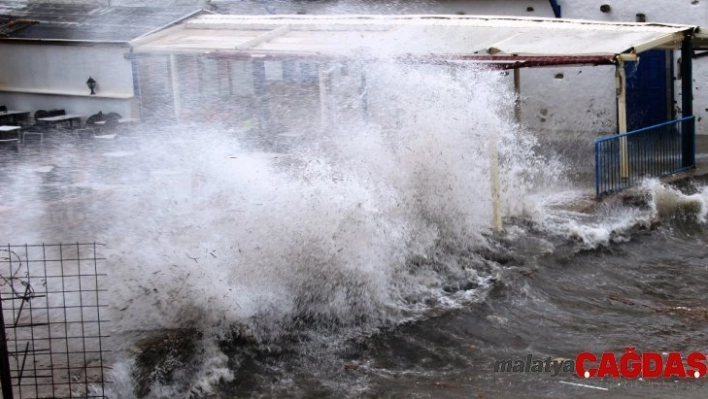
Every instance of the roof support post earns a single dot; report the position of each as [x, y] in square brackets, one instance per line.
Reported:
[174, 80]
[261, 90]
[325, 77]
[495, 182]
[137, 92]
[688, 144]
[517, 93]
[620, 79]
[556, 8]
[364, 95]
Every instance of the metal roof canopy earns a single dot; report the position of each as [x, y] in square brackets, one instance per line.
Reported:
[510, 41]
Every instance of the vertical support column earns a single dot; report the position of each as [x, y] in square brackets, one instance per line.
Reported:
[174, 80]
[517, 92]
[259, 83]
[364, 95]
[324, 80]
[136, 86]
[622, 116]
[688, 139]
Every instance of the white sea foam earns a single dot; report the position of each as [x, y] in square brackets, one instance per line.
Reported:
[657, 202]
[669, 202]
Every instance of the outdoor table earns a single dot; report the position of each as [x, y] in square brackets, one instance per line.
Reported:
[62, 119]
[13, 115]
[5, 129]
[120, 121]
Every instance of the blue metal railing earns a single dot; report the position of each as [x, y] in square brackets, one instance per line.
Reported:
[623, 160]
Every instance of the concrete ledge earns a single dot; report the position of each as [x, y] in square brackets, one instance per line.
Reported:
[84, 93]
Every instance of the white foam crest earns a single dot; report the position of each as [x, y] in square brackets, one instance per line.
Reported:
[199, 383]
[611, 228]
[656, 202]
[669, 202]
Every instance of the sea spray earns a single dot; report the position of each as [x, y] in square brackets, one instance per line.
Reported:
[359, 227]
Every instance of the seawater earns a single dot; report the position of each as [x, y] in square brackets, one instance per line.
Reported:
[362, 261]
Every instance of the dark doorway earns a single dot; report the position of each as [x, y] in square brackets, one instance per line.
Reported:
[649, 89]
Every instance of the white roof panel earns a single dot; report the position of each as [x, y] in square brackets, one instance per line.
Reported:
[412, 35]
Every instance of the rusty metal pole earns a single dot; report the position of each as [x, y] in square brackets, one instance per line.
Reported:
[5, 375]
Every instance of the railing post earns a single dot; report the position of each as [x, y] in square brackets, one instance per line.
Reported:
[688, 150]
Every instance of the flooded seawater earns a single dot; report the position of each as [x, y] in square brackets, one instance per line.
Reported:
[360, 260]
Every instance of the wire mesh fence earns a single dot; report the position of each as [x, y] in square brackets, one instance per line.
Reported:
[51, 296]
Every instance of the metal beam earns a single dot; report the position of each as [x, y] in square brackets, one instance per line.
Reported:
[688, 143]
[669, 40]
[263, 38]
[495, 62]
[631, 57]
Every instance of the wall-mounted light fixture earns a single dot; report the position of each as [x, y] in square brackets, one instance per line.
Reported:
[91, 85]
[605, 8]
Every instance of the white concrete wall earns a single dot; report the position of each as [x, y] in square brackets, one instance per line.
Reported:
[591, 92]
[527, 8]
[43, 76]
[673, 11]
[572, 99]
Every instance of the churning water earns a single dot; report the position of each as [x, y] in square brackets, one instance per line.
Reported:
[361, 260]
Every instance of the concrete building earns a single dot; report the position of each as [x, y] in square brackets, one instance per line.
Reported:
[550, 96]
[49, 52]
[195, 52]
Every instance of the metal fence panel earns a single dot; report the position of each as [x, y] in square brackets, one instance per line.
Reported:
[51, 298]
[624, 160]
